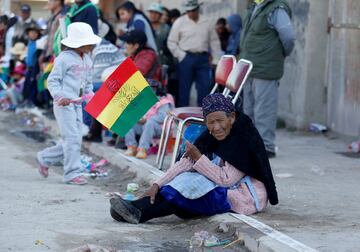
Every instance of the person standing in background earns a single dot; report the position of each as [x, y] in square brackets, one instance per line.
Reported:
[267, 39]
[165, 17]
[22, 23]
[32, 65]
[58, 9]
[190, 39]
[222, 32]
[88, 15]
[173, 80]
[135, 20]
[173, 15]
[234, 27]
[161, 32]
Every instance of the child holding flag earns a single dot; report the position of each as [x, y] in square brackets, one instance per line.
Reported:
[69, 83]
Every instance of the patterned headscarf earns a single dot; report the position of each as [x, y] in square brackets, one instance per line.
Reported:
[216, 102]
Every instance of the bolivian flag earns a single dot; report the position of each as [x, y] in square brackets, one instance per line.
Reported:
[122, 99]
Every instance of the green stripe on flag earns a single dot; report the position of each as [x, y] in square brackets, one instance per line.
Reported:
[134, 111]
[41, 82]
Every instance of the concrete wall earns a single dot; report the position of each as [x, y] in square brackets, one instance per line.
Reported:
[321, 80]
[344, 64]
[302, 92]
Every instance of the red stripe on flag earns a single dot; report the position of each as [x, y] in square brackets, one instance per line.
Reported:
[109, 88]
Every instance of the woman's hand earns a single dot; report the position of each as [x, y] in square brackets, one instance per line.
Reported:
[142, 121]
[154, 189]
[63, 102]
[192, 152]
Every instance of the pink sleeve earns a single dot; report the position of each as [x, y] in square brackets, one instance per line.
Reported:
[226, 175]
[181, 166]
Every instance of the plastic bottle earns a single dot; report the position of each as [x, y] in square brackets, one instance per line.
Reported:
[354, 147]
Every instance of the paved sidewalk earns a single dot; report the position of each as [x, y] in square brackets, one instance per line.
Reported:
[318, 190]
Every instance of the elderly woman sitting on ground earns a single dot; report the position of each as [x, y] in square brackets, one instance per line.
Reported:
[226, 169]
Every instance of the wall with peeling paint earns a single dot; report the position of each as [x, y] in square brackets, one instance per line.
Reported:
[322, 77]
[302, 93]
[343, 113]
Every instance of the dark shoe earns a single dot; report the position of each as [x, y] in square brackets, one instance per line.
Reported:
[116, 216]
[270, 154]
[126, 210]
[92, 138]
[120, 143]
[111, 142]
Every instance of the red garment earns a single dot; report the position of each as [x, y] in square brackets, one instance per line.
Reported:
[146, 61]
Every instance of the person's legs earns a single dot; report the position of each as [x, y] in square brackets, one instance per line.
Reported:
[51, 155]
[130, 137]
[27, 85]
[160, 208]
[150, 130]
[248, 99]
[202, 77]
[69, 119]
[95, 131]
[265, 110]
[186, 78]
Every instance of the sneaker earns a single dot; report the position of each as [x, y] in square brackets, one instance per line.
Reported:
[79, 180]
[43, 169]
[126, 210]
[131, 151]
[141, 153]
[92, 138]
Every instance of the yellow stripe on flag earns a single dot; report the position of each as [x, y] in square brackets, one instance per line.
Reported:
[131, 88]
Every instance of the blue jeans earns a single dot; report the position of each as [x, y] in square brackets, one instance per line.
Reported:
[87, 119]
[194, 67]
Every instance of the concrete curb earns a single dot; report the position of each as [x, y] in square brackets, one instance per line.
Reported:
[257, 236]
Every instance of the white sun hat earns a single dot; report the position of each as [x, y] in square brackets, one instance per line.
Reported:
[80, 34]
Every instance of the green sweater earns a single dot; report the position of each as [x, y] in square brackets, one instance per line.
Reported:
[261, 44]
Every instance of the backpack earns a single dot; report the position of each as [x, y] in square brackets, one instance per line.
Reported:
[65, 22]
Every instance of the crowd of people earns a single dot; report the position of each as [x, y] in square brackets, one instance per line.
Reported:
[61, 63]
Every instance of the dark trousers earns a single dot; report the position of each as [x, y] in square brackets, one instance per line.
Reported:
[160, 208]
[194, 67]
[30, 85]
[95, 128]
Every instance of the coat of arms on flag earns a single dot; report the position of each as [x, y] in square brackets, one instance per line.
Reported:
[122, 99]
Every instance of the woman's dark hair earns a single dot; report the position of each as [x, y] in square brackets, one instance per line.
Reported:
[129, 6]
[174, 13]
[221, 21]
[168, 14]
[111, 35]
